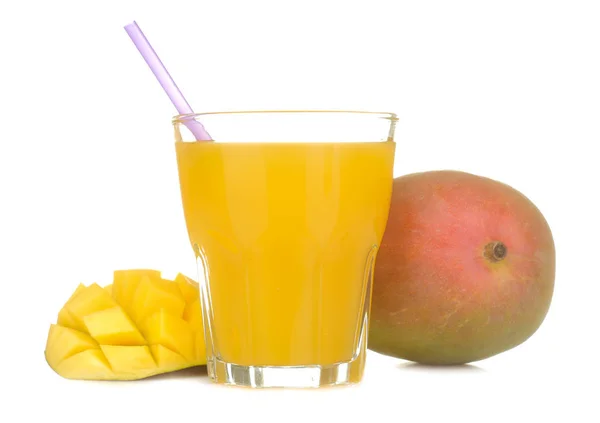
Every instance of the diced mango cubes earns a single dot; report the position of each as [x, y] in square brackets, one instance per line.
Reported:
[193, 315]
[188, 287]
[168, 359]
[89, 364]
[152, 295]
[113, 327]
[125, 283]
[65, 342]
[130, 360]
[87, 301]
[139, 326]
[66, 319]
[171, 331]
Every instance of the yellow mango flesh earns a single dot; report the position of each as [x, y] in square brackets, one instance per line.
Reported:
[113, 327]
[125, 283]
[138, 326]
[66, 319]
[130, 361]
[193, 315]
[171, 331]
[65, 342]
[79, 288]
[89, 364]
[89, 300]
[188, 287]
[166, 358]
[152, 295]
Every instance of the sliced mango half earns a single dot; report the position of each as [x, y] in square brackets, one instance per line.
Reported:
[138, 326]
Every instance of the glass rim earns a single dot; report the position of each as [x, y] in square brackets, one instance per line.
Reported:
[181, 118]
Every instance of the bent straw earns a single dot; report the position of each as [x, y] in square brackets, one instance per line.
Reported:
[165, 80]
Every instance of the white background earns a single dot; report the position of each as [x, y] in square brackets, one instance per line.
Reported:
[505, 89]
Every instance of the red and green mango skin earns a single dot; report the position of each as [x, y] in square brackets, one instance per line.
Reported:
[436, 298]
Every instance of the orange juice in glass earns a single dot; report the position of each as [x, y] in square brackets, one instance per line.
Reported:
[285, 211]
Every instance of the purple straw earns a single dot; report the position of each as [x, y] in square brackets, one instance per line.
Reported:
[165, 80]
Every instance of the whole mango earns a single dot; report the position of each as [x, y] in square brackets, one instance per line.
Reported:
[465, 270]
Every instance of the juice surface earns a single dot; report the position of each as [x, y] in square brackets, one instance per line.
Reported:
[285, 231]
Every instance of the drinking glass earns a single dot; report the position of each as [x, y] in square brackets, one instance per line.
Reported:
[285, 211]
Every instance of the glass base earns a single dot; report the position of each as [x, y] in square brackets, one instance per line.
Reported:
[344, 373]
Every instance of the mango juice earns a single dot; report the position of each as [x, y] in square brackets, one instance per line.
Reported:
[287, 234]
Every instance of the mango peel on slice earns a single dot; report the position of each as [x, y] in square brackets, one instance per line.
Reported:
[139, 326]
